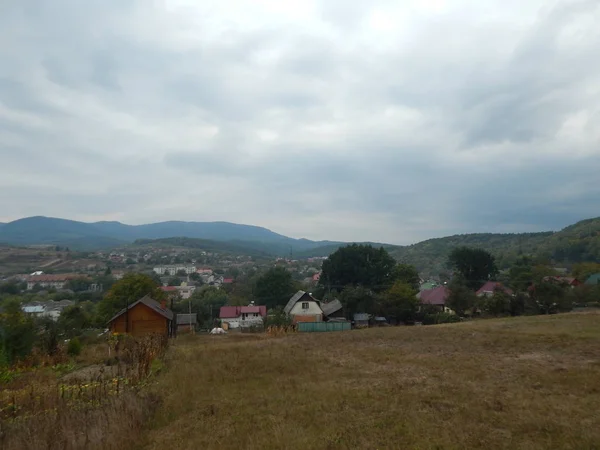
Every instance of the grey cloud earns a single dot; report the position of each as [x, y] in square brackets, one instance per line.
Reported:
[107, 107]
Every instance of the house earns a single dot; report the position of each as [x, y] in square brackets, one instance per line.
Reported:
[184, 291]
[316, 277]
[435, 297]
[51, 281]
[143, 317]
[332, 309]
[50, 309]
[565, 281]
[488, 289]
[361, 320]
[227, 280]
[186, 323]
[242, 316]
[174, 268]
[204, 271]
[303, 307]
[593, 279]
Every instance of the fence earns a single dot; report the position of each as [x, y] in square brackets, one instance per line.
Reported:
[310, 327]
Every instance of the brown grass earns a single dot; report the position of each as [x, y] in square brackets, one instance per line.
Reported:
[520, 383]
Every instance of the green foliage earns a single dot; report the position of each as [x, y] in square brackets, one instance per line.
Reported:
[583, 271]
[174, 281]
[400, 302]
[461, 299]
[274, 288]
[551, 298]
[475, 265]
[74, 347]
[129, 289]
[49, 336]
[277, 317]
[499, 304]
[73, 320]
[520, 275]
[359, 265]
[17, 332]
[436, 318]
[407, 274]
[206, 303]
[79, 284]
[359, 299]
[9, 288]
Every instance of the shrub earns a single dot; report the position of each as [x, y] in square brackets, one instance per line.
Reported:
[440, 317]
[74, 347]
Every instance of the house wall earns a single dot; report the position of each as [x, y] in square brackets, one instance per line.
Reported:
[142, 320]
[313, 309]
[237, 322]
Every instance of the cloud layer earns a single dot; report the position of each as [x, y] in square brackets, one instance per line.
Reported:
[343, 120]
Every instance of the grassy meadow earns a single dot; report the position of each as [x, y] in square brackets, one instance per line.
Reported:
[516, 383]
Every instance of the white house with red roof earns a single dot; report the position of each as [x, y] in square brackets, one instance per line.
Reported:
[242, 316]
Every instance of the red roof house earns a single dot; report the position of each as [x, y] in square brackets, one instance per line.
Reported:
[436, 296]
[227, 280]
[239, 316]
[490, 287]
[569, 281]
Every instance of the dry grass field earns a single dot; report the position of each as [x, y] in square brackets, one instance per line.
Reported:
[519, 383]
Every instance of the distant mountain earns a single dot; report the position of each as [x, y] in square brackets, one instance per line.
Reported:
[81, 235]
[248, 248]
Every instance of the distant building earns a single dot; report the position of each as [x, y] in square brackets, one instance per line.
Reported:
[593, 279]
[565, 281]
[50, 309]
[51, 281]
[174, 268]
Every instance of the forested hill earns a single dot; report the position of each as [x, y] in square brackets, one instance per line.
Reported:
[575, 243]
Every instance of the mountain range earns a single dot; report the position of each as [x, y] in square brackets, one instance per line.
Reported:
[97, 235]
[575, 243]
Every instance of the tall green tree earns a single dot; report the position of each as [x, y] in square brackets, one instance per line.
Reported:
[400, 301]
[359, 265]
[17, 332]
[461, 298]
[274, 287]
[407, 274]
[127, 290]
[475, 265]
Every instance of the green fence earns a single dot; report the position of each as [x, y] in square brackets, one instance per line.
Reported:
[323, 326]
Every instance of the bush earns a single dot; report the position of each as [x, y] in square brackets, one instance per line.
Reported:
[440, 317]
[74, 347]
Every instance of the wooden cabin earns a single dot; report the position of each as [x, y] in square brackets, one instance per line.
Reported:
[146, 316]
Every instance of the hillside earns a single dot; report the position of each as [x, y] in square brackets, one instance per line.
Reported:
[81, 235]
[233, 247]
[575, 243]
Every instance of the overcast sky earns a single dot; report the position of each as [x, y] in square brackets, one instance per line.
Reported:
[375, 120]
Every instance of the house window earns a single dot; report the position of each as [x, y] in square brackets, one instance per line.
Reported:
[304, 305]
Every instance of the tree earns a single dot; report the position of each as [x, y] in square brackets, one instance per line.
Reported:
[274, 287]
[207, 301]
[17, 332]
[195, 277]
[359, 299]
[475, 265]
[181, 273]
[407, 274]
[400, 301]
[174, 281]
[520, 275]
[551, 298]
[359, 265]
[10, 288]
[127, 290]
[498, 304]
[79, 284]
[460, 298]
[583, 271]
[73, 320]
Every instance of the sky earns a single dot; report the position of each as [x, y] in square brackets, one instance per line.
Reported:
[389, 121]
